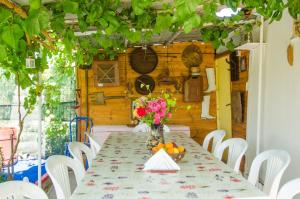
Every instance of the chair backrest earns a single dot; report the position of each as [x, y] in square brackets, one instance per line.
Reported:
[216, 136]
[77, 148]
[57, 168]
[20, 190]
[95, 145]
[290, 189]
[236, 150]
[277, 162]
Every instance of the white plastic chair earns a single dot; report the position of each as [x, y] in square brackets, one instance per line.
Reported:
[236, 150]
[95, 145]
[216, 136]
[290, 189]
[57, 168]
[21, 190]
[77, 148]
[277, 162]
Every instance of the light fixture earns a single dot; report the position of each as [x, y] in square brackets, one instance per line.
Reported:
[30, 62]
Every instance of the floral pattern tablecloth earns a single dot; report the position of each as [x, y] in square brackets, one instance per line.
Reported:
[117, 173]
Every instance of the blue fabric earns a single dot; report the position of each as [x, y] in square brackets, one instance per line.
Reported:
[27, 168]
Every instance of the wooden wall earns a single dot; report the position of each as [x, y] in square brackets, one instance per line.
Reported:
[118, 111]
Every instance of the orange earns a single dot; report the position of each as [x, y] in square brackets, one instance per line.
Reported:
[170, 150]
[160, 145]
[169, 145]
[155, 149]
[181, 149]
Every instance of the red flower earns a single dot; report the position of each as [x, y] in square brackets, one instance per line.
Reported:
[141, 112]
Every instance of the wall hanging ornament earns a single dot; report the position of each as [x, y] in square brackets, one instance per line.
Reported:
[205, 108]
[192, 56]
[106, 73]
[143, 60]
[193, 86]
[144, 84]
[211, 80]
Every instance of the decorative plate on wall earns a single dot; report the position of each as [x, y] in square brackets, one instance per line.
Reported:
[147, 81]
[192, 56]
[143, 61]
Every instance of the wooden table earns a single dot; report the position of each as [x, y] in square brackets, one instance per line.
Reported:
[116, 173]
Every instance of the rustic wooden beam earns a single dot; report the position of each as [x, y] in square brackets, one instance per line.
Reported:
[173, 37]
[16, 8]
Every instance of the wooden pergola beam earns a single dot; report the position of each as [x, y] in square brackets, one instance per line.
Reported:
[16, 8]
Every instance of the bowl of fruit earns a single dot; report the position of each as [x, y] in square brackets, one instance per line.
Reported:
[174, 151]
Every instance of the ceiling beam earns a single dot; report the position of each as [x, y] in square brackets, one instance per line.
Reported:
[173, 37]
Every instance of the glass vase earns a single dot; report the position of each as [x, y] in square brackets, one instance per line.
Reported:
[156, 136]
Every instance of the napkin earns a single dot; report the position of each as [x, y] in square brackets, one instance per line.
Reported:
[161, 161]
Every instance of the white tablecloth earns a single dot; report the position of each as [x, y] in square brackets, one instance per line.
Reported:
[103, 131]
[117, 173]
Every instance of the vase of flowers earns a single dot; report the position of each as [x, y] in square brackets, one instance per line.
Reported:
[155, 112]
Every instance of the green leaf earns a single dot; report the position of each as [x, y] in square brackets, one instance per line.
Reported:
[35, 4]
[4, 15]
[163, 22]
[12, 34]
[139, 6]
[70, 6]
[192, 23]
[82, 26]
[44, 18]
[58, 24]
[230, 45]
[32, 25]
[103, 23]
[22, 47]
[3, 54]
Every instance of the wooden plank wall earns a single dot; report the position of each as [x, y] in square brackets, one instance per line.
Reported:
[118, 111]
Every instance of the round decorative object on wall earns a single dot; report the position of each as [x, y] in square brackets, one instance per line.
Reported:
[143, 61]
[192, 56]
[147, 81]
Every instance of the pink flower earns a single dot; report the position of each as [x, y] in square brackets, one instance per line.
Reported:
[169, 115]
[156, 119]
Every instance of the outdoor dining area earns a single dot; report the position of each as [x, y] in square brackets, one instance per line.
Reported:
[147, 99]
